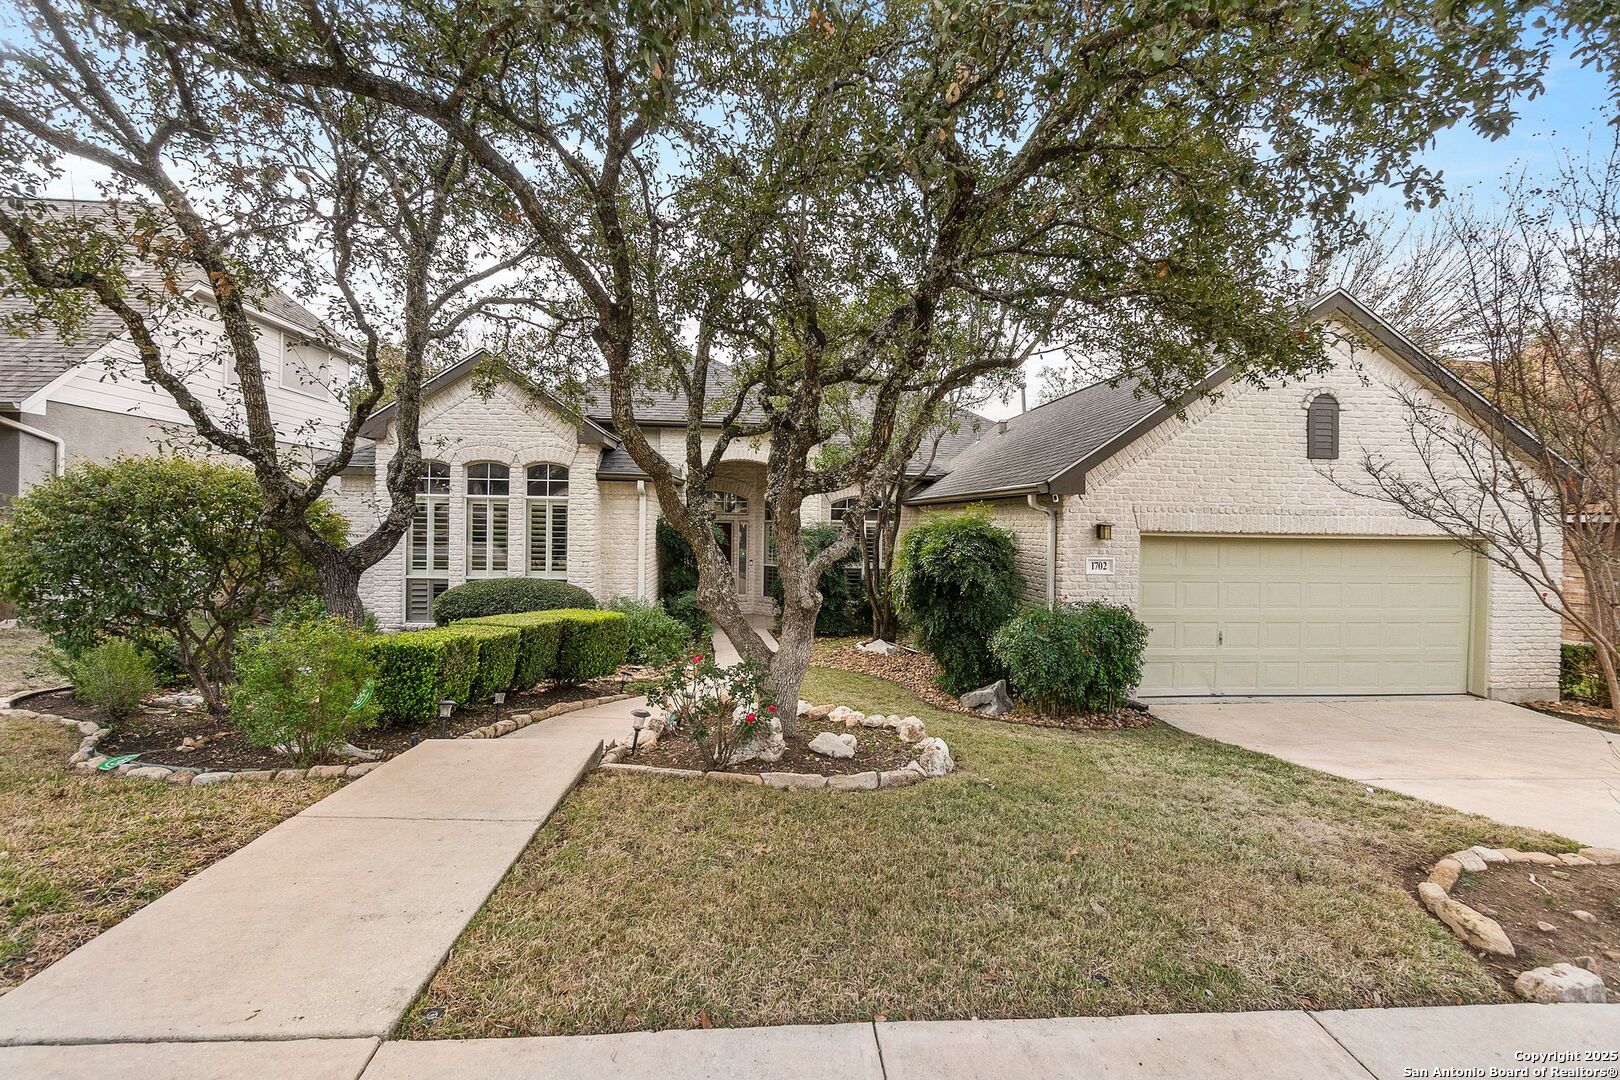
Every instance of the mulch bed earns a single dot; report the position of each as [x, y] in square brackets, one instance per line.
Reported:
[1508, 895]
[876, 749]
[917, 672]
[159, 732]
[1579, 712]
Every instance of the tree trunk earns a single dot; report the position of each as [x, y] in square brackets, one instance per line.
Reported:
[340, 588]
[1611, 678]
[792, 659]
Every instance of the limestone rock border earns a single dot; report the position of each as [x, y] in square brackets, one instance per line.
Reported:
[612, 760]
[86, 759]
[1475, 929]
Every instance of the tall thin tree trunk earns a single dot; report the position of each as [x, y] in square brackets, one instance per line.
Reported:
[340, 588]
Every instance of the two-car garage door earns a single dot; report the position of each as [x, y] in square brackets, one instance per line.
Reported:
[1244, 615]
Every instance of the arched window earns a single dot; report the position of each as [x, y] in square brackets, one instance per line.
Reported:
[489, 485]
[1322, 428]
[548, 520]
[427, 549]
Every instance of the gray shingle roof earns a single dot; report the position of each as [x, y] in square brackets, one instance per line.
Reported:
[1042, 443]
[30, 361]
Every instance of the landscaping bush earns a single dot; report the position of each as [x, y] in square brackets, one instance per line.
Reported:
[956, 582]
[1580, 678]
[594, 644]
[685, 610]
[656, 637]
[507, 596]
[539, 636]
[114, 676]
[498, 650]
[306, 684]
[1075, 659]
[417, 669]
[677, 562]
[589, 643]
[844, 607]
[167, 552]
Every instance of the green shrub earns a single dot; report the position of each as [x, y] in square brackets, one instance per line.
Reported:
[656, 637]
[677, 562]
[594, 644]
[170, 553]
[589, 643]
[114, 676]
[417, 669]
[303, 684]
[684, 609]
[844, 607]
[1580, 678]
[498, 650]
[507, 596]
[539, 635]
[956, 582]
[1075, 659]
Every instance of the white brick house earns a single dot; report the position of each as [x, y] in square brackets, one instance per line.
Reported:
[497, 501]
[1257, 573]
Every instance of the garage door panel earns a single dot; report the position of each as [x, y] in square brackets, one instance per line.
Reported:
[1317, 616]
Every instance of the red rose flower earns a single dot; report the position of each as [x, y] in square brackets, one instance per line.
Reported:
[750, 718]
[770, 708]
[697, 659]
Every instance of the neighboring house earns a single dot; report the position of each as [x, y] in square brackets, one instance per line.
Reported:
[87, 399]
[518, 485]
[1256, 572]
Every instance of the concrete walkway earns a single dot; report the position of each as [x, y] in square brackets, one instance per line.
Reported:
[1381, 1043]
[327, 926]
[725, 653]
[1486, 757]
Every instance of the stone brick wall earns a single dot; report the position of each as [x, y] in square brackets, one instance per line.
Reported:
[1236, 464]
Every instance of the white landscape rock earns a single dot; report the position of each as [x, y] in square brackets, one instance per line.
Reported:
[1470, 861]
[1561, 983]
[934, 757]
[834, 746]
[845, 715]
[878, 647]
[910, 730]
[992, 700]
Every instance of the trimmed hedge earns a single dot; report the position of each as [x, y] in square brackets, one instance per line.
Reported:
[539, 635]
[507, 596]
[419, 668]
[594, 644]
[498, 649]
[471, 659]
[1083, 658]
[589, 643]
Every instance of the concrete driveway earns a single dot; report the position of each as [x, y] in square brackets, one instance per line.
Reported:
[1488, 757]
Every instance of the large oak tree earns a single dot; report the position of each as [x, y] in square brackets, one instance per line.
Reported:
[821, 221]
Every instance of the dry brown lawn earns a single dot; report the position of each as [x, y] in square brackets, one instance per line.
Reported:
[1055, 873]
[79, 854]
[20, 669]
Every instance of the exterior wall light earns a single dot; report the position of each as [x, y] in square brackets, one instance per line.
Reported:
[1105, 530]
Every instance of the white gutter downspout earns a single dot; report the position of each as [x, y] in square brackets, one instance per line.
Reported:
[59, 448]
[1051, 547]
[641, 540]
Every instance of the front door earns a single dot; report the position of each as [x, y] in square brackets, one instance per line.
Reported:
[733, 538]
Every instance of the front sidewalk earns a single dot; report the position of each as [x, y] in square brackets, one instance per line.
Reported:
[1381, 1043]
[327, 926]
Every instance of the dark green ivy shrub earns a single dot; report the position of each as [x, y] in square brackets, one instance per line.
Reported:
[1579, 677]
[507, 596]
[1080, 658]
[955, 581]
[677, 562]
[844, 608]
